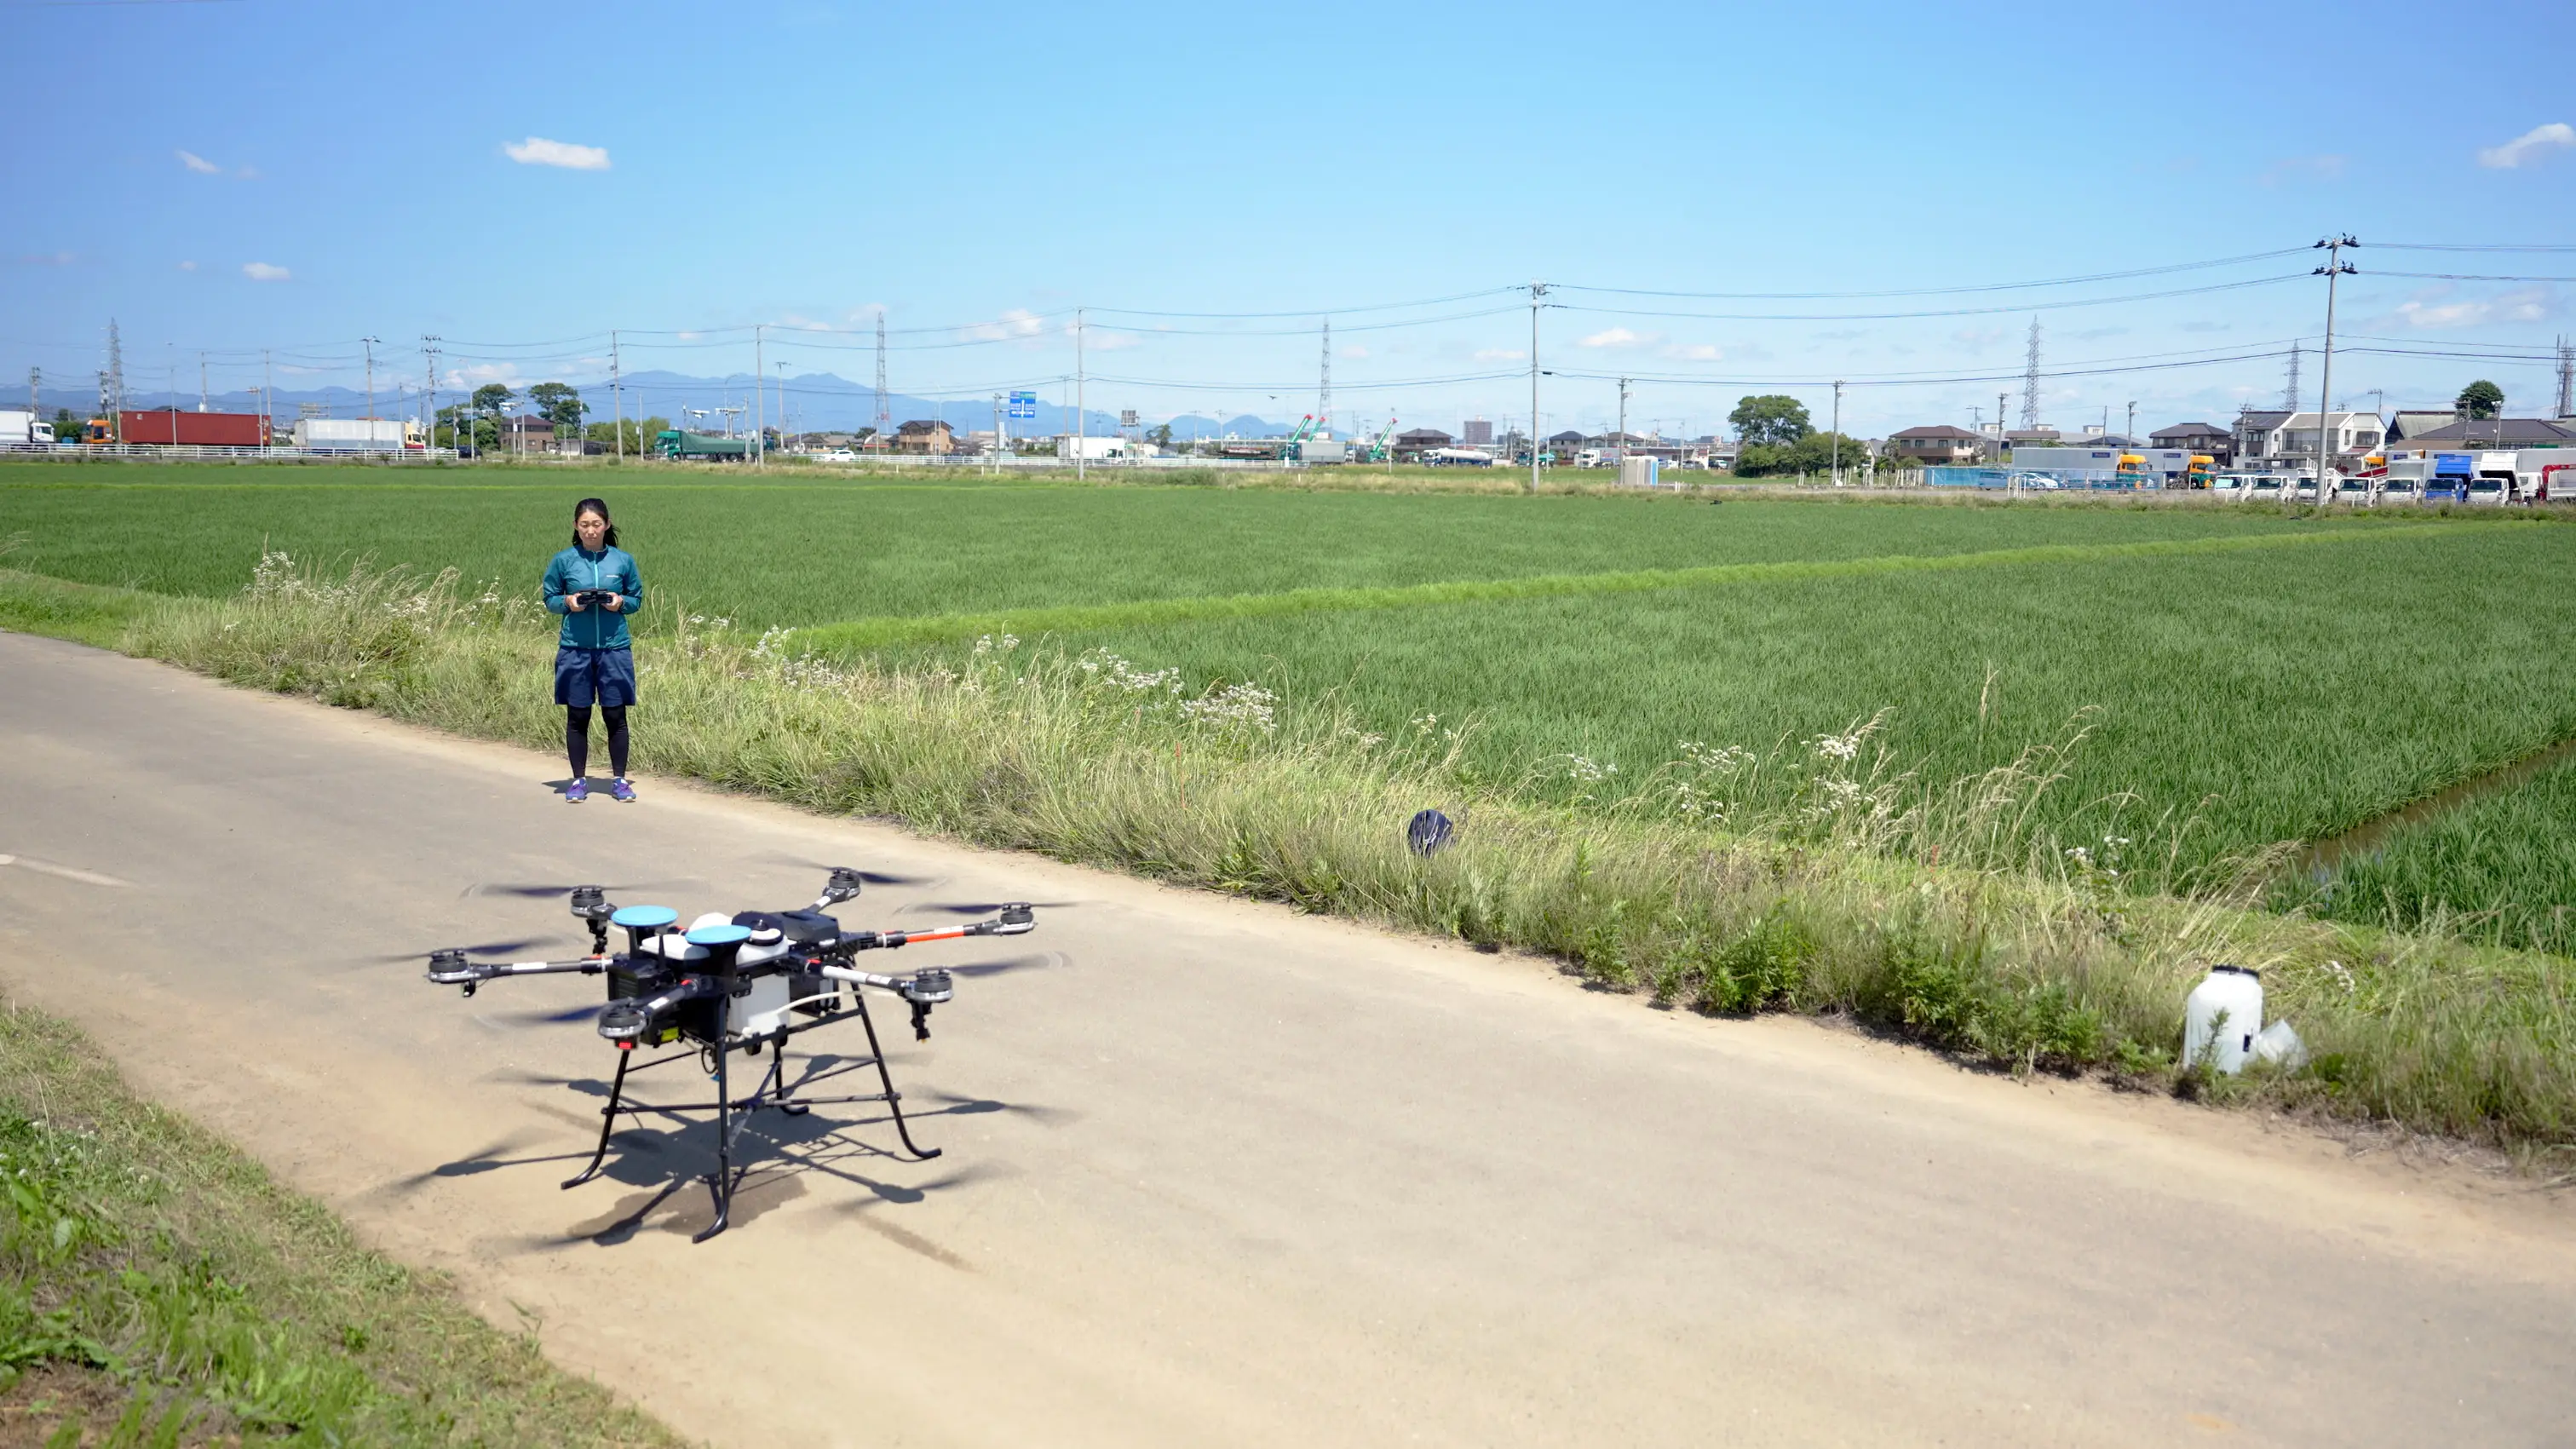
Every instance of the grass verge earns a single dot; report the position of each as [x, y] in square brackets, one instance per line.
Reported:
[159, 1288]
[1980, 937]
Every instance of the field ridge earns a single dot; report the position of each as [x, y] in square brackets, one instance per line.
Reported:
[870, 633]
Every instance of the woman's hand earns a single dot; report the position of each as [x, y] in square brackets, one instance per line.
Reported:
[616, 604]
[572, 603]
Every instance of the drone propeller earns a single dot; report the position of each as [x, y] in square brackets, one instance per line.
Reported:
[986, 908]
[487, 948]
[536, 891]
[872, 877]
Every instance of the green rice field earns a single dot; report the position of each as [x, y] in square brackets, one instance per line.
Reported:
[2243, 677]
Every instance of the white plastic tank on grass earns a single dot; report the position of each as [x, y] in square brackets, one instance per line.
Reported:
[2221, 1018]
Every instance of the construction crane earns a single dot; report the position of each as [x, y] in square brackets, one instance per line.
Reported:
[1377, 450]
[1295, 448]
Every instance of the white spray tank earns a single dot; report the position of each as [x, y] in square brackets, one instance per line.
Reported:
[2221, 1018]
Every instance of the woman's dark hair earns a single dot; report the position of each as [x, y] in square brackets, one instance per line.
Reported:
[593, 505]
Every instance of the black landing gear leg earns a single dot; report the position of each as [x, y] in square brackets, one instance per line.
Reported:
[608, 1122]
[893, 1098]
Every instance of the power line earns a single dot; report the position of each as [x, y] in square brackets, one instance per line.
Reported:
[1949, 291]
[1947, 312]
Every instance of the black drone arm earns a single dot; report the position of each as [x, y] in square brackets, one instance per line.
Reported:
[450, 968]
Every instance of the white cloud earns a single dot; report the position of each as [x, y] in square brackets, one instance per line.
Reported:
[1500, 354]
[198, 164]
[1017, 322]
[1694, 352]
[1355, 350]
[1098, 340]
[467, 378]
[187, 266]
[2521, 148]
[1612, 337]
[1979, 336]
[263, 272]
[2529, 304]
[538, 151]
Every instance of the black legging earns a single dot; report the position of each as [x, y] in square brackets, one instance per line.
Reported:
[577, 737]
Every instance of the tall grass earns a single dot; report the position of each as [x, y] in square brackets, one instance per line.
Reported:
[1936, 909]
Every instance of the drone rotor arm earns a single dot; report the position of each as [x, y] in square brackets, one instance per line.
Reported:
[450, 968]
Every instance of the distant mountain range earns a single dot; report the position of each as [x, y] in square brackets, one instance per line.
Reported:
[815, 402]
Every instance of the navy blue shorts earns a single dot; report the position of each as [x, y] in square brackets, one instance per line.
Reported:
[594, 676]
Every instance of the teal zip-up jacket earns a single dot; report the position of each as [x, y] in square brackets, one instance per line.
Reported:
[575, 571]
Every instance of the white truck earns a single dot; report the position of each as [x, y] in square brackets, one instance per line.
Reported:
[20, 428]
[357, 435]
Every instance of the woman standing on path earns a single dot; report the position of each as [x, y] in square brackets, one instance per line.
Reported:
[594, 585]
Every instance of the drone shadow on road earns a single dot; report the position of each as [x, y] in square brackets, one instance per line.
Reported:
[665, 1159]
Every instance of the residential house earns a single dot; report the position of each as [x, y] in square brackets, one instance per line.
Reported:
[2205, 438]
[1934, 443]
[1412, 443]
[2411, 421]
[2489, 433]
[919, 436]
[529, 433]
[2287, 439]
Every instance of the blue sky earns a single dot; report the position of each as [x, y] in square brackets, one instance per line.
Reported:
[295, 176]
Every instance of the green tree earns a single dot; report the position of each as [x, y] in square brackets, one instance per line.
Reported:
[1769, 420]
[1160, 435]
[2481, 399]
[558, 403]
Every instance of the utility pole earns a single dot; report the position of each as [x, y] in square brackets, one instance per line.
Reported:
[759, 454]
[371, 385]
[2133, 422]
[429, 365]
[1538, 291]
[267, 402]
[1623, 416]
[616, 395]
[1838, 433]
[35, 390]
[201, 383]
[2335, 267]
[1081, 425]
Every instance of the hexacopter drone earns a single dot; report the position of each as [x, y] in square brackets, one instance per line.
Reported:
[739, 983]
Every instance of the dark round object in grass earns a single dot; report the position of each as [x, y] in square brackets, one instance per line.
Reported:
[1427, 832]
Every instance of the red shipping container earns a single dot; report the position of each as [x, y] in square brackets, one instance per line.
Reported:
[204, 430]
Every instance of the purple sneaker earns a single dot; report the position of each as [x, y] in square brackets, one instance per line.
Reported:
[576, 792]
[622, 791]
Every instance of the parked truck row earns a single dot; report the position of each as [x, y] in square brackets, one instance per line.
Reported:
[173, 428]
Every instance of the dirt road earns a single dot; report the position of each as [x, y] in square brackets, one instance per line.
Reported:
[1214, 1173]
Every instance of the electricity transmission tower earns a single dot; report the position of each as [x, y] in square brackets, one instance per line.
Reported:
[883, 421]
[111, 383]
[2566, 378]
[2290, 394]
[2030, 380]
[1324, 401]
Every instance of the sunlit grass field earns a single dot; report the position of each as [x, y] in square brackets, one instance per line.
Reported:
[2229, 697]
[803, 553]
